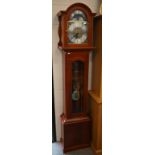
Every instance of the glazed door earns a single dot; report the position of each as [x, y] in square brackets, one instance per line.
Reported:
[76, 83]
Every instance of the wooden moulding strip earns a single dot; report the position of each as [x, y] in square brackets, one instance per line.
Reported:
[74, 120]
[76, 48]
[93, 95]
[75, 147]
[80, 119]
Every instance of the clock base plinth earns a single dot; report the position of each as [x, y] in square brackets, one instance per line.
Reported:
[75, 133]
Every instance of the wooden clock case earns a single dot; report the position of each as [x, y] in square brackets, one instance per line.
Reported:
[75, 126]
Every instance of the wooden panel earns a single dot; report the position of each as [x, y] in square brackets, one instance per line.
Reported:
[97, 57]
[95, 96]
[96, 115]
[75, 133]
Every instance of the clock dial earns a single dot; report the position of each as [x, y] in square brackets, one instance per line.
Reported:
[77, 28]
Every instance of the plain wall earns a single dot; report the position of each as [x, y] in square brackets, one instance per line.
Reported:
[57, 56]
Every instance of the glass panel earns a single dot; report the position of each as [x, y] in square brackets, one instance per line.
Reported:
[77, 28]
[77, 86]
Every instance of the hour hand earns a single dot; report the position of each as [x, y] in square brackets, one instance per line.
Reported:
[76, 35]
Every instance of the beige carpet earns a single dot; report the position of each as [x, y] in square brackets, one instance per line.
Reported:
[57, 150]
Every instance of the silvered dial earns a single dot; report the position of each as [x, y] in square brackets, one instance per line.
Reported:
[77, 28]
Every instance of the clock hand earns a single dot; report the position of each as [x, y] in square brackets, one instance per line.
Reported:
[76, 35]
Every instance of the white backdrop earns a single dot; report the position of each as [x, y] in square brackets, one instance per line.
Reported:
[128, 77]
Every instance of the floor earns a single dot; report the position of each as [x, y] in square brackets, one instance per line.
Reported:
[57, 150]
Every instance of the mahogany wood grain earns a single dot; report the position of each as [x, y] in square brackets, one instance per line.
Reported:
[71, 57]
[76, 133]
[75, 127]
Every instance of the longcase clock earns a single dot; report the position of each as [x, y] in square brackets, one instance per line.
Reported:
[76, 41]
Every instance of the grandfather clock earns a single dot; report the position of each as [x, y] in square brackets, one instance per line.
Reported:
[76, 41]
